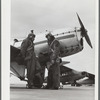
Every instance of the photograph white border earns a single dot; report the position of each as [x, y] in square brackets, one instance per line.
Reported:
[5, 49]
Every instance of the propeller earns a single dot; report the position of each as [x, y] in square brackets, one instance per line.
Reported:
[84, 32]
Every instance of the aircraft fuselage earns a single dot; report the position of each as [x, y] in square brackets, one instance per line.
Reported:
[71, 42]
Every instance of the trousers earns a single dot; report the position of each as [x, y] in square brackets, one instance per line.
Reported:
[53, 80]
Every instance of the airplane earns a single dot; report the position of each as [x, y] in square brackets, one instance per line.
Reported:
[71, 42]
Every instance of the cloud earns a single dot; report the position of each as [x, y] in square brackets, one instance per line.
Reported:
[48, 13]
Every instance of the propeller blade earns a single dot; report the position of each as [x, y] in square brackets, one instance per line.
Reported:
[81, 24]
[84, 32]
[87, 39]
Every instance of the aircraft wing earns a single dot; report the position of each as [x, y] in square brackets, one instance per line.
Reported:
[15, 55]
[64, 69]
[71, 75]
[17, 65]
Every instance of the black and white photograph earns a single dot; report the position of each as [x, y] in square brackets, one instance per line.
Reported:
[53, 50]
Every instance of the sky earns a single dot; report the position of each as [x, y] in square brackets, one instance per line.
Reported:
[41, 15]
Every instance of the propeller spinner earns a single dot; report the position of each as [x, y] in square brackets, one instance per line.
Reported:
[84, 32]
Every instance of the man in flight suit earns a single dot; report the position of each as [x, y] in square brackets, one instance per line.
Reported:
[27, 51]
[53, 81]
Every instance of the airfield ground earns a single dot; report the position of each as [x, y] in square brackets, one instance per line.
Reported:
[19, 92]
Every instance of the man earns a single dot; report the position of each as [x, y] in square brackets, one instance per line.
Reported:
[27, 51]
[53, 81]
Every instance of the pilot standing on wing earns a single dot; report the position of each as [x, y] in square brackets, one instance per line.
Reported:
[53, 81]
[27, 51]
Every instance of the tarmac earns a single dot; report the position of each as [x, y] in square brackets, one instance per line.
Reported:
[20, 92]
